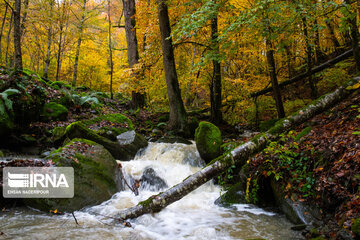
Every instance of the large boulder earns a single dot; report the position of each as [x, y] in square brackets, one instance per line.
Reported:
[94, 176]
[296, 211]
[208, 141]
[121, 149]
[54, 112]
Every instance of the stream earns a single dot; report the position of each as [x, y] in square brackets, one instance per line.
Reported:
[193, 217]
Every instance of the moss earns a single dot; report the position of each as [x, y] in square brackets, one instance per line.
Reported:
[355, 228]
[233, 195]
[318, 238]
[303, 133]
[55, 112]
[266, 125]
[2, 154]
[164, 118]
[116, 118]
[208, 140]
[58, 133]
[94, 172]
[256, 138]
[57, 85]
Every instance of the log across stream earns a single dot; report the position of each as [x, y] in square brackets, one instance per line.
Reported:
[193, 217]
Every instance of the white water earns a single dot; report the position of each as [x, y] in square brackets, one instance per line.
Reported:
[193, 217]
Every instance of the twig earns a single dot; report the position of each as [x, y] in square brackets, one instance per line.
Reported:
[75, 218]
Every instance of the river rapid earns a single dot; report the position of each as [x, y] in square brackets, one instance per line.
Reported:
[193, 217]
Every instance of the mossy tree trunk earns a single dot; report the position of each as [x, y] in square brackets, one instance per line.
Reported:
[238, 156]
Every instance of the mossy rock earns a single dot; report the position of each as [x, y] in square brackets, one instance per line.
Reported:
[110, 125]
[94, 176]
[234, 195]
[121, 151]
[355, 228]
[193, 125]
[54, 112]
[208, 141]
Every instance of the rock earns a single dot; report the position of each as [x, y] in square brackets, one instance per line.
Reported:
[344, 235]
[174, 139]
[193, 125]
[94, 172]
[355, 228]
[109, 125]
[151, 181]
[297, 212]
[234, 195]
[54, 112]
[119, 151]
[208, 141]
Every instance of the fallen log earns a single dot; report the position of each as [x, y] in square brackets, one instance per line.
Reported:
[316, 69]
[239, 155]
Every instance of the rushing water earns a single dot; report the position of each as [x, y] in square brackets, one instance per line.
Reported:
[193, 217]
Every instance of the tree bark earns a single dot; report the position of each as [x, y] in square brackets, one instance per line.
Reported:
[354, 32]
[23, 20]
[17, 35]
[110, 51]
[274, 81]
[178, 118]
[314, 92]
[216, 115]
[60, 43]
[81, 28]
[1, 31]
[238, 156]
[8, 38]
[138, 99]
[49, 42]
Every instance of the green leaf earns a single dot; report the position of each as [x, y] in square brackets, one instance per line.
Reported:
[356, 133]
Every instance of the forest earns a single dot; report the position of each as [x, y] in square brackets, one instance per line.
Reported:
[267, 91]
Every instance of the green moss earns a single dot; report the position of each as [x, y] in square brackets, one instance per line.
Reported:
[55, 112]
[2, 154]
[355, 228]
[266, 125]
[208, 140]
[164, 118]
[116, 118]
[256, 138]
[318, 238]
[233, 195]
[303, 133]
[58, 133]
[58, 84]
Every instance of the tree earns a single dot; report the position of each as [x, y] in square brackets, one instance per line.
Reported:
[81, 28]
[215, 86]
[138, 99]
[17, 35]
[49, 39]
[354, 32]
[178, 117]
[111, 64]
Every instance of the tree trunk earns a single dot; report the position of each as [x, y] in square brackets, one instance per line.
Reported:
[216, 115]
[17, 35]
[60, 43]
[110, 52]
[81, 28]
[354, 32]
[49, 42]
[138, 99]
[273, 78]
[289, 62]
[1, 32]
[23, 21]
[8, 38]
[178, 118]
[238, 156]
[314, 92]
